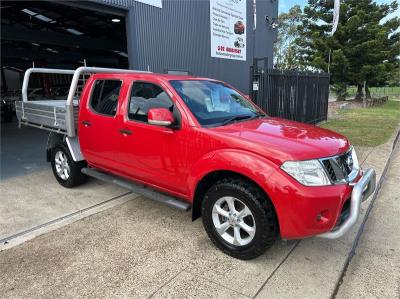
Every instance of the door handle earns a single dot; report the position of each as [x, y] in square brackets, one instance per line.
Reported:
[125, 132]
[86, 123]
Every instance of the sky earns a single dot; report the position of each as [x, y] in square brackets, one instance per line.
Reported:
[285, 5]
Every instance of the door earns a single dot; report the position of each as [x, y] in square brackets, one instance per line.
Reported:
[98, 127]
[151, 153]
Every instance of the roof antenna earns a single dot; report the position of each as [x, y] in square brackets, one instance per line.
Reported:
[84, 62]
[33, 64]
[148, 68]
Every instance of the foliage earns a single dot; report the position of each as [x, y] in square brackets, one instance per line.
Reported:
[365, 47]
[285, 48]
[340, 89]
[367, 127]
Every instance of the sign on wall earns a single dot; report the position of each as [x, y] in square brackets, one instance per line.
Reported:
[228, 29]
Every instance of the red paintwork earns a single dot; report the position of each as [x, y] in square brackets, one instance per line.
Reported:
[175, 160]
[160, 114]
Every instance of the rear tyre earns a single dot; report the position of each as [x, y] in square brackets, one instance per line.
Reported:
[239, 219]
[65, 169]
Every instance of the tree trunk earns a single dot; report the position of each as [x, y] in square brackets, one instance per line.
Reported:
[341, 93]
[359, 94]
[341, 97]
[367, 92]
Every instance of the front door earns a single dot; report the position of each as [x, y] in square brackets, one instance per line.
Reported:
[98, 127]
[151, 153]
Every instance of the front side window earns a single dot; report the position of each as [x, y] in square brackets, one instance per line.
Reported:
[145, 96]
[105, 94]
[213, 103]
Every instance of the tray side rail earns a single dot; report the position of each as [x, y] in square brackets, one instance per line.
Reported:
[71, 109]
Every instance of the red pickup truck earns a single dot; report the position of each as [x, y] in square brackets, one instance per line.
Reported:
[199, 143]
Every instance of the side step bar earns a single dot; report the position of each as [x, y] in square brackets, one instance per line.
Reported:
[138, 189]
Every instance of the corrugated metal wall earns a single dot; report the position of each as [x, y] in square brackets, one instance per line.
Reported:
[178, 37]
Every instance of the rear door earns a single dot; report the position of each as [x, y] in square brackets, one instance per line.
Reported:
[98, 127]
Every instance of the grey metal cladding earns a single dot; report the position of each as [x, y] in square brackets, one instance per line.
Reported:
[177, 36]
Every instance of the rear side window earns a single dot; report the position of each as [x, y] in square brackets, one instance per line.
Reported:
[105, 95]
[145, 96]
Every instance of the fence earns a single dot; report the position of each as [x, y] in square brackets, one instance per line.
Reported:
[377, 91]
[300, 96]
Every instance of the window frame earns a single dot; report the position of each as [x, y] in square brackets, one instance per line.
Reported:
[91, 97]
[178, 117]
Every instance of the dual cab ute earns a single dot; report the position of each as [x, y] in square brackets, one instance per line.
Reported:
[199, 144]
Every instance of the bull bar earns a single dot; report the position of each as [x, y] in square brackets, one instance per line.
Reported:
[361, 191]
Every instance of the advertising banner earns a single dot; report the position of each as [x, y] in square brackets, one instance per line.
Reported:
[228, 29]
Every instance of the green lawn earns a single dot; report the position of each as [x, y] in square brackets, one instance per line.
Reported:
[367, 126]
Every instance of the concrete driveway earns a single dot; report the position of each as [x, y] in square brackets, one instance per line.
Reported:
[144, 249]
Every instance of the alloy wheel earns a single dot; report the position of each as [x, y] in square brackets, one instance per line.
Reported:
[233, 221]
[62, 166]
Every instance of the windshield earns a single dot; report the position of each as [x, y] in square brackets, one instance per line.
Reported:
[213, 103]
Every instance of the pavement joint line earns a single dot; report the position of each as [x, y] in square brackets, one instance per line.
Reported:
[218, 284]
[366, 157]
[276, 269]
[167, 282]
[352, 252]
[5, 240]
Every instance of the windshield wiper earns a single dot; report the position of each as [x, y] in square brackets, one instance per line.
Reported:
[236, 118]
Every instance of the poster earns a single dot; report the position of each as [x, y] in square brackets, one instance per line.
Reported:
[228, 29]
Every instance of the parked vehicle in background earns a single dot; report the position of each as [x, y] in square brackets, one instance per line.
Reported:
[36, 93]
[8, 105]
[59, 93]
[198, 143]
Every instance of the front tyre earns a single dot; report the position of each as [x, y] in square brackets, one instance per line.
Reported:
[239, 219]
[65, 169]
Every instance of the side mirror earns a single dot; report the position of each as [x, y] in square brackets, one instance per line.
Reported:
[160, 117]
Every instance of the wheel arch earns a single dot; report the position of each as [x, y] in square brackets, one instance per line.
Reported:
[71, 142]
[52, 140]
[210, 178]
[229, 162]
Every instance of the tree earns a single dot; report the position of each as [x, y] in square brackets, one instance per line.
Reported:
[364, 49]
[285, 52]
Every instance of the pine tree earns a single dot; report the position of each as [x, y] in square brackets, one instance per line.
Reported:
[285, 45]
[364, 49]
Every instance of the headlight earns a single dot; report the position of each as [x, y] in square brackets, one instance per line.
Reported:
[354, 160]
[309, 173]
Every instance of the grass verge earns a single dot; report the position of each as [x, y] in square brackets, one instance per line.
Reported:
[367, 126]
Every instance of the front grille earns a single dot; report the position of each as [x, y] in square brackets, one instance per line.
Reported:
[329, 169]
[339, 167]
[345, 163]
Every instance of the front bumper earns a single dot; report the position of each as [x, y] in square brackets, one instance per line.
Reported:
[361, 191]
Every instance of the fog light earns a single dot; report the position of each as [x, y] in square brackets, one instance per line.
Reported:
[323, 216]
